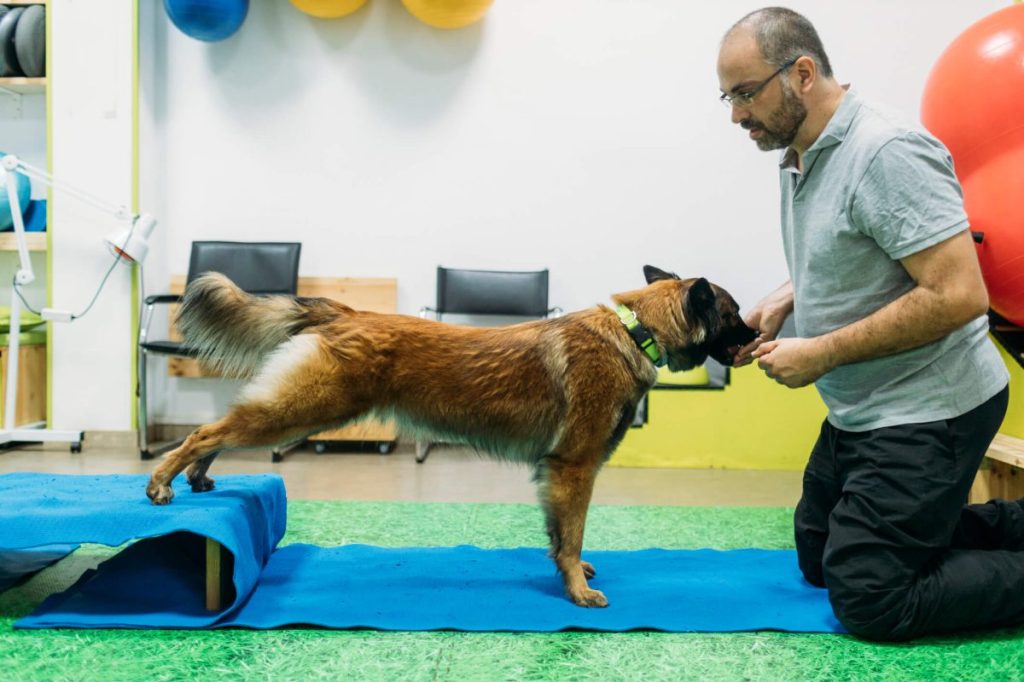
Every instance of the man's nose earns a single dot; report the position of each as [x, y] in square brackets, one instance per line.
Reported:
[739, 114]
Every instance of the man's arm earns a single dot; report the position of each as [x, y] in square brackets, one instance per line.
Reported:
[950, 293]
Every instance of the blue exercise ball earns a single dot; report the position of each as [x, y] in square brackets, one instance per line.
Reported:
[24, 194]
[209, 20]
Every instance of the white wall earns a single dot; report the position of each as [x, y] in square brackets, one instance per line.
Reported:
[92, 108]
[579, 135]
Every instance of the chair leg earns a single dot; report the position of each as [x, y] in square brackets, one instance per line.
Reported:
[278, 453]
[422, 451]
[141, 393]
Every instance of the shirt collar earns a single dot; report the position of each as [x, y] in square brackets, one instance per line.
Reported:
[835, 130]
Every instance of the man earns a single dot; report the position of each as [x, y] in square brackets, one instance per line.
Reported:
[889, 306]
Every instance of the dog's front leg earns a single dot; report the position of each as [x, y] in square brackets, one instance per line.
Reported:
[566, 493]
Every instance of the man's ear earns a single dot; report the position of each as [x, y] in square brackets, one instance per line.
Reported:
[654, 274]
[806, 70]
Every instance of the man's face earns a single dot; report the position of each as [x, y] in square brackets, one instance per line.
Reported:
[776, 112]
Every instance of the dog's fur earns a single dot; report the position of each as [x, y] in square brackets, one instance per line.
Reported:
[558, 394]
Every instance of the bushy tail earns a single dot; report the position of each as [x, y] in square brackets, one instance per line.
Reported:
[233, 331]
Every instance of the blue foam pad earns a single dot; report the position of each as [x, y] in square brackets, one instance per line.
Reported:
[159, 582]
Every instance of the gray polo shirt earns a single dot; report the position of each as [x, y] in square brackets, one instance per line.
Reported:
[873, 191]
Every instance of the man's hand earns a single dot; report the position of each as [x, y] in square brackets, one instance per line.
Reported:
[767, 317]
[794, 362]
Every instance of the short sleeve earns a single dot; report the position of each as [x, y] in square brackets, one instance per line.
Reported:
[909, 197]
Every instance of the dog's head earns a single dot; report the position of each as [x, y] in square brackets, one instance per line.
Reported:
[707, 320]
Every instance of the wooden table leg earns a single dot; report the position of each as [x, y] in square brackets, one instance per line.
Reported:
[213, 575]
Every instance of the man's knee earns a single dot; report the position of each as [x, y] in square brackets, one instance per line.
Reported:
[880, 617]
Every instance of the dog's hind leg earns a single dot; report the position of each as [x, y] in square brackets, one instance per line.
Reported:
[198, 451]
[299, 390]
[245, 426]
[565, 493]
[195, 473]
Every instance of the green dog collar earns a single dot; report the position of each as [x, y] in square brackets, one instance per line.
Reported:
[640, 334]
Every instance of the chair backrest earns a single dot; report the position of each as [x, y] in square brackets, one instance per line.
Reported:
[492, 292]
[256, 267]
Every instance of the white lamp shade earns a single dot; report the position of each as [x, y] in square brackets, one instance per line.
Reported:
[132, 244]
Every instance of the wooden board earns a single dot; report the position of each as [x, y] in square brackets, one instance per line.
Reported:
[376, 294]
[1002, 473]
[1007, 449]
[30, 405]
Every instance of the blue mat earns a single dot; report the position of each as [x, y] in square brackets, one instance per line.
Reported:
[158, 582]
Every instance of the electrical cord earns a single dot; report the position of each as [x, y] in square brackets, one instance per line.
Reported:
[118, 256]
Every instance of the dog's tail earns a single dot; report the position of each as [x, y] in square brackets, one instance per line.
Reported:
[233, 330]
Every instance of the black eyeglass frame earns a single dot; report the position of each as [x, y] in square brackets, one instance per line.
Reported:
[745, 99]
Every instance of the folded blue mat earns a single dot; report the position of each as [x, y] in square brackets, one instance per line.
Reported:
[159, 582]
[245, 514]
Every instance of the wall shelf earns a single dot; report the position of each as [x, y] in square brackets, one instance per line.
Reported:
[24, 86]
[36, 241]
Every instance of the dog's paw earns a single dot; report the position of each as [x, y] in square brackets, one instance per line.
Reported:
[590, 598]
[588, 569]
[203, 484]
[159, 494]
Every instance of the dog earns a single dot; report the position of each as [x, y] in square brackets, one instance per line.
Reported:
[558, 394]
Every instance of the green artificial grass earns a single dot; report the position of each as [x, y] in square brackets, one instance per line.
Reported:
[303, 654]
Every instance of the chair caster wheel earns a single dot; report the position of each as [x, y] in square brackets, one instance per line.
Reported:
[76, 448]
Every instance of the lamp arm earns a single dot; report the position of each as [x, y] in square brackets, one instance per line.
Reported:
[13, 163]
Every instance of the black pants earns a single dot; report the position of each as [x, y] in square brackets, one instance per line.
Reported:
[884, 526]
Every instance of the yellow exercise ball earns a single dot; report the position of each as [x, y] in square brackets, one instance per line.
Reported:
[328, 9]
[448, 13]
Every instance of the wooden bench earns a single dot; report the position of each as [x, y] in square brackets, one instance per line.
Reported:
[1002, 471]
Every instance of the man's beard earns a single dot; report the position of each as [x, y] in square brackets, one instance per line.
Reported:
[783, 123]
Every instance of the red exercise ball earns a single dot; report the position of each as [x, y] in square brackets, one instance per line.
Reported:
[972, 102]
[972, 99]
[992, 197]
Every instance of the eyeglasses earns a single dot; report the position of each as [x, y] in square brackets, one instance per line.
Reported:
[745, 99]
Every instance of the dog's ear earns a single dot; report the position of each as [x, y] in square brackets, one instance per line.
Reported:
[700, 305]
[654, 274]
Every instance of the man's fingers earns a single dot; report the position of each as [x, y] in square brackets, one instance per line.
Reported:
[744, 356]
[765, 348]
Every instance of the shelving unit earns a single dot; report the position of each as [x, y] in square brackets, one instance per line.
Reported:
[31, 405]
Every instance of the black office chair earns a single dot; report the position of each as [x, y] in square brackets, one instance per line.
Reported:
[256, 267]
[488, 292]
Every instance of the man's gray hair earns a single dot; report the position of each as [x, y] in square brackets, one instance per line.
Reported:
[783, 35]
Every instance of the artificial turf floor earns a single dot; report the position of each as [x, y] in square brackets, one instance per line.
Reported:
[303, 654]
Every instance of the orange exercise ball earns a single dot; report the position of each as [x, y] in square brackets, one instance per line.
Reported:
[972, 102]
[328, 9]
[448, 13]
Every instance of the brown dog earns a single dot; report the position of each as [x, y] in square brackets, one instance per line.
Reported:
[557, 393]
